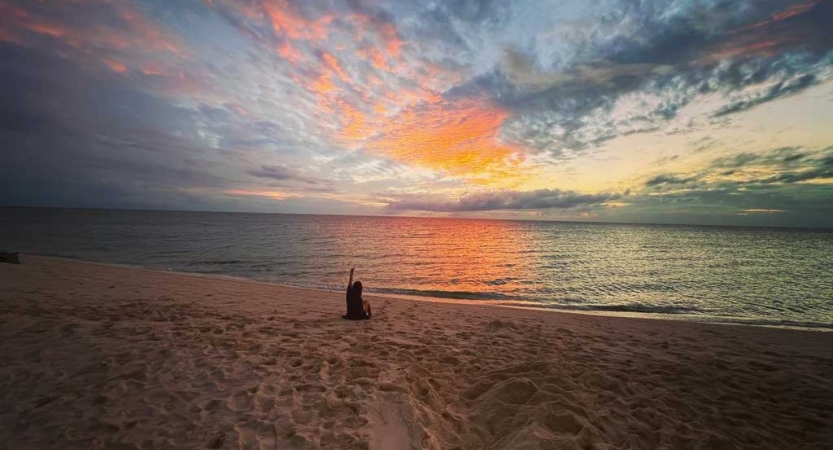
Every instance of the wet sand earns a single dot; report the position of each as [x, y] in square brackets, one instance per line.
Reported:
[95, 356]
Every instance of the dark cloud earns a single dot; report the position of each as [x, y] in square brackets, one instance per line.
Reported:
[274, 172]
[731, 50]
[779, 89]
[577, 112]
[667, 179]
[776, 180]
[791, 158]
[76, 140]
[735, 161]
[281, 173]
[665, 160]
[795, 177]
[804, 205]
[782, 156]
[478, 11]
[784, 165]
[506, 200]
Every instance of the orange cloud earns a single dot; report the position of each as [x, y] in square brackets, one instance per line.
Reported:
[288, 23]
[322, 85]
[291, 26]
[288, 52]
[115, 66]
[137, 32]
[152, 70]
[238, 109]
[294, 27]
[331, 63]
[408, 120]
[275, 195]
[22, 19]
[354, 121]
[790, 11]
[147, 33]
[47, 29]
[459, 138]
[414, 126]
[391, 38]
[753, 41]
[375, 57]
[749, 49]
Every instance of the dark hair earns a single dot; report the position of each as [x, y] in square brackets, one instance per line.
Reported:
[357, 286]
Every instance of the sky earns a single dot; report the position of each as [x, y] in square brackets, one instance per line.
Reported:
[683, 111]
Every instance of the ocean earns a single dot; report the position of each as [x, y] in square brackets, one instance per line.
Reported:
[764, 276]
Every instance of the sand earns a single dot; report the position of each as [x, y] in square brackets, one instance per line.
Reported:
[94, 356]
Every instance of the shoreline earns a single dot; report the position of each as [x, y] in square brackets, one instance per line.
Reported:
[519, 304]
[101, 356]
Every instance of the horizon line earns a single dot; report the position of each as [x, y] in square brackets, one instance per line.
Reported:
[567, 221]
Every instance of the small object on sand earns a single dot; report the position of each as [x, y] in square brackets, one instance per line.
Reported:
[10, 258]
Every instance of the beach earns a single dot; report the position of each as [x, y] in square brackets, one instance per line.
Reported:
[98, 356]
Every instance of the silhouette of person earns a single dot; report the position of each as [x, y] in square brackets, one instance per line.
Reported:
[357, 307]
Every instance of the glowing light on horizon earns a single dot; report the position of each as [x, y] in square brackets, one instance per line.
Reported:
[275, 195]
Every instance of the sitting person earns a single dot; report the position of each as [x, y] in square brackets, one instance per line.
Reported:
[357, 307]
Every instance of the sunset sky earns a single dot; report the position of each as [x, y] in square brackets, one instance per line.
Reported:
[703, 112]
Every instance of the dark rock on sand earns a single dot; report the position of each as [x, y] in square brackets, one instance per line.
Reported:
[10, 258]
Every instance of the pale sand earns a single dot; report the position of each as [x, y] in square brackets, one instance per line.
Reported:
[105, 357]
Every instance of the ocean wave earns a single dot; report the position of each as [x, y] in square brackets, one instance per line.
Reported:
[460, 295]
[216, 262]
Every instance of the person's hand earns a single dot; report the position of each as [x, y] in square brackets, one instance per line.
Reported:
[352, 269]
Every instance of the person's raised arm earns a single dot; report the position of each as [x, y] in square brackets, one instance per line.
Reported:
[350, 283]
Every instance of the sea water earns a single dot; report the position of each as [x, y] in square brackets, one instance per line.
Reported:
[718, 274]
